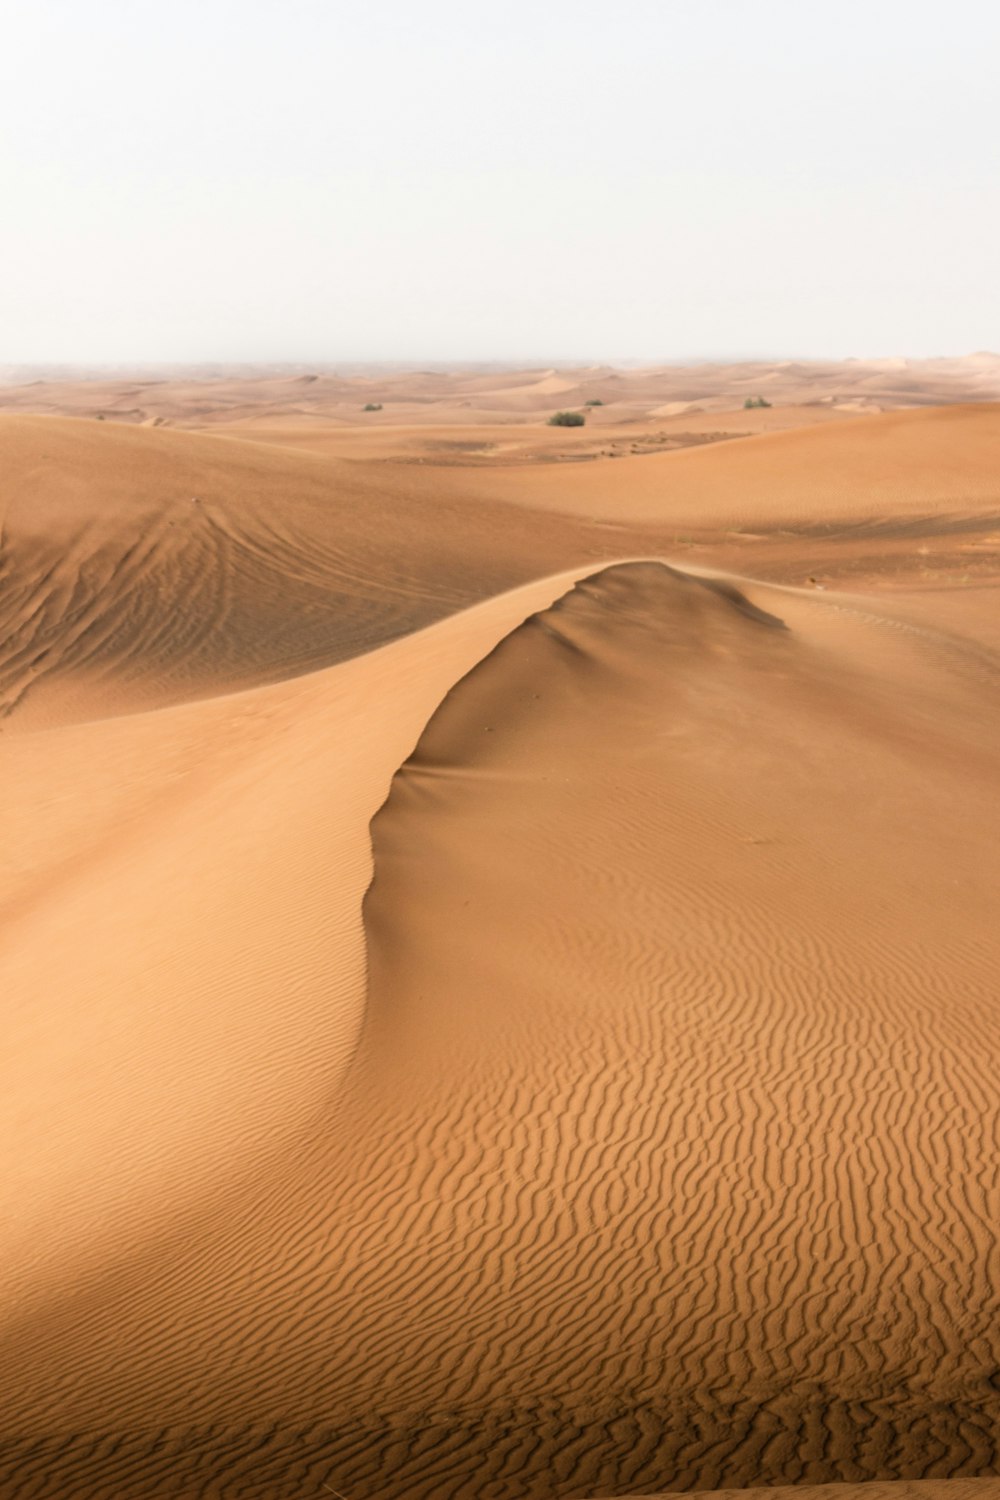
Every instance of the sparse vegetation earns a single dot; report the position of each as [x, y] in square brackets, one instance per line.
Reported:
[372, 406]
[567, 419]
[752, 403]
[593, 403]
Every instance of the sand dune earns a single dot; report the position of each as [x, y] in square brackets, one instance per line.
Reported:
[218, 396]
[498, 1001]
[899, 1489]
[868, 470]
[902, 498]
[141, 568]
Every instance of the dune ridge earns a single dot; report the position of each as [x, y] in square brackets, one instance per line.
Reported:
[636, 1133]
[541, 1087]
[140, 568]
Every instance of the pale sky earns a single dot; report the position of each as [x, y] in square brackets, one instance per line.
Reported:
[429, 180]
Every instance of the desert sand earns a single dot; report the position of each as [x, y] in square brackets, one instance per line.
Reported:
[500, 936]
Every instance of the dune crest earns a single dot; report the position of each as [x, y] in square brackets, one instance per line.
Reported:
[475, 1042]
[141, 568]
[583, 1178]
[689, 965]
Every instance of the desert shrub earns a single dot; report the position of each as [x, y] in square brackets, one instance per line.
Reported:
[753, 402]
[593, 403]
[567, 419]
[372, 406]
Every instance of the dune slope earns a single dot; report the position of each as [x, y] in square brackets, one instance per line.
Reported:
[897, 1489]
[665, 1156]
[942, 462]
[659, 854]
[140, 567]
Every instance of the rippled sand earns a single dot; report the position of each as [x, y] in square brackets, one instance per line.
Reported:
[500, 964]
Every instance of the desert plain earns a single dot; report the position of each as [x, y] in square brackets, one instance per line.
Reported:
[500, 935]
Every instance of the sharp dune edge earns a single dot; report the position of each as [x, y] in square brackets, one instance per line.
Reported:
[500, 1005]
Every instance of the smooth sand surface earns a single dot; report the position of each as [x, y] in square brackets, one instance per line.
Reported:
[500, 964]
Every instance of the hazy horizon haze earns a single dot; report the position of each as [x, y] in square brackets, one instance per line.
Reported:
[324, 183]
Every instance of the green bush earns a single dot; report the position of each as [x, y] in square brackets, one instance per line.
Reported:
[593, 403]
[567, 419]
[373, 406]
[752, 403]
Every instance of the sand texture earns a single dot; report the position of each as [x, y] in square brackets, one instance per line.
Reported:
[500, 959]
[893, 1489]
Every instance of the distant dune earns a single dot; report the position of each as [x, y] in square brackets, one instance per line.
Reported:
[219, 396]
[500, 946]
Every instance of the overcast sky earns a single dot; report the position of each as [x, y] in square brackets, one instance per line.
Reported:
[426, 180]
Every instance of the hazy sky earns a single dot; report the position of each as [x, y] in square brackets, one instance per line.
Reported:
[434, 179]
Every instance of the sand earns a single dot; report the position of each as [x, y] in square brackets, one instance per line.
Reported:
[898, 1489]
[320, 398]
[500, 959]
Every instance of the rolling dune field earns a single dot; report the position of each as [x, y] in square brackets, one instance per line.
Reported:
[500, 953]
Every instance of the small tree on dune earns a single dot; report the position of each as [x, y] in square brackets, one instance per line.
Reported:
[567, 419]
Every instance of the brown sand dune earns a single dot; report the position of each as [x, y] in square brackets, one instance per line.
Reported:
[217, 396]
[643, 1137]
[863, 470]
[896, 499]
[888, 501]
[898, 1489]
[205, 859]
[140, 567]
